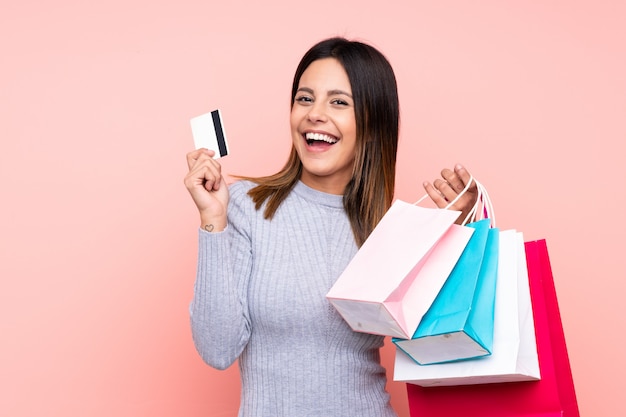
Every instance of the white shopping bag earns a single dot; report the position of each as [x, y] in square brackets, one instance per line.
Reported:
[514, 356]
[396, 274]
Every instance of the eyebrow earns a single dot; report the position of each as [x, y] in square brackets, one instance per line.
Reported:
[330, 92]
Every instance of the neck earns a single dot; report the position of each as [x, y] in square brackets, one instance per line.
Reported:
[329, 185]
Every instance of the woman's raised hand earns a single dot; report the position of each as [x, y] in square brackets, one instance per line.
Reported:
[444, 190]
[208, 189]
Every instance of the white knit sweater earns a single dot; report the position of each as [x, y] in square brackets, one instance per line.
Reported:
[260, 297]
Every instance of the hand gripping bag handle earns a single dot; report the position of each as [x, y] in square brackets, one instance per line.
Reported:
[482, 208]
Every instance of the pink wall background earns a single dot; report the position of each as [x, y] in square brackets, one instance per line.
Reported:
[98, 235]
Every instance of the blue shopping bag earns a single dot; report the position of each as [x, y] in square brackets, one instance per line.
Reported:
[460, 322]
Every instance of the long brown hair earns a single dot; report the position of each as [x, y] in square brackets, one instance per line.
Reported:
[369, 193]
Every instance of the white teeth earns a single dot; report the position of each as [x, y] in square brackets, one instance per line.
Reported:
[321, 136]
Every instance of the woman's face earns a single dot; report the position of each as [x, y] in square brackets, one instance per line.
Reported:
[323, 126]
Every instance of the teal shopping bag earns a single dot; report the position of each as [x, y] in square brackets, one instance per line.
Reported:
[459, 324]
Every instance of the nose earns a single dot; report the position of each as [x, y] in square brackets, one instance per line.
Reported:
[317, 112]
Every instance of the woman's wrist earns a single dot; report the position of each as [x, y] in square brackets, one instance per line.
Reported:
[212, 225]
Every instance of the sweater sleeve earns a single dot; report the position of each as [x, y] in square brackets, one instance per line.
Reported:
[219, 316]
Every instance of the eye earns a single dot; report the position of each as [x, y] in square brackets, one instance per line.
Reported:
[339, 102]
[303, 99]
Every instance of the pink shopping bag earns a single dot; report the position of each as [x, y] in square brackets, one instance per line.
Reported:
[395, 276]
[552, 396]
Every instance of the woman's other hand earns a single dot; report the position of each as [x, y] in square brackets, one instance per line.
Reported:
[444, 190]
[208, 189]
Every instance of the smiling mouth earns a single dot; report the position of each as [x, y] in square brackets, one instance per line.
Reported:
[313, 138]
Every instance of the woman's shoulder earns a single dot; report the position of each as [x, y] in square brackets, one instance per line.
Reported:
[239, 193]
[241, 207]
[240, 187]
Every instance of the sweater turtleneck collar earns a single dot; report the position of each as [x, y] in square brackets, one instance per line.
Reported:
[311, 194]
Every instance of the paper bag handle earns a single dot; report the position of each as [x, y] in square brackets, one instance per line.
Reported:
[482, 209]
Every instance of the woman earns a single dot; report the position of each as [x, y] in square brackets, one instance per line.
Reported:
[270, 248]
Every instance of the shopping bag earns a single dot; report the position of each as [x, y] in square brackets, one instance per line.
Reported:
[561, 373]
[459, 323]
[552, 396]
[410, 244]
[514, 356]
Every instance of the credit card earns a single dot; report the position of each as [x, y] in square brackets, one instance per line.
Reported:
[208, 132]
